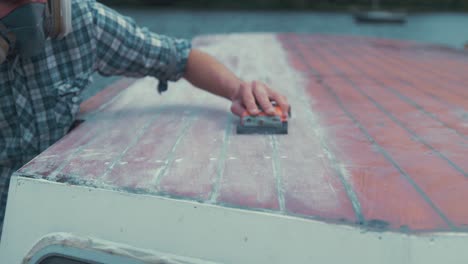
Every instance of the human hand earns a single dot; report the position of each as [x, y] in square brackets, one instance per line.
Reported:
[251, 96]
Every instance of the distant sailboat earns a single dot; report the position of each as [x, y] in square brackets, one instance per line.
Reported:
[376, 15]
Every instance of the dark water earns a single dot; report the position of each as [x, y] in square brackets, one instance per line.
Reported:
[438, 28]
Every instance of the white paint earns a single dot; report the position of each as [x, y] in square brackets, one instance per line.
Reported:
[204, 231]
[84, 245]
[212, 232]
[262, 57]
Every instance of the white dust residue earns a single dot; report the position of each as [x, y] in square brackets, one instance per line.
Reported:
[262, 57]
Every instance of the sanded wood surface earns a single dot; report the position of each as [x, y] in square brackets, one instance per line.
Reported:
[378, 138]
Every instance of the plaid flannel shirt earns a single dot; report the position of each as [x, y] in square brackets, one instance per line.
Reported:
[40, 97]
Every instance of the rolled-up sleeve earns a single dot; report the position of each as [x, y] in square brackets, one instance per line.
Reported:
[124, 48]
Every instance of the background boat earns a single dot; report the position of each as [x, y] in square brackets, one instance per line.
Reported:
[377, 15]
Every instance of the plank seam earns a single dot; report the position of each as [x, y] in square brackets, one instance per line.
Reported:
[277, 173]
[352, 196]
[396, 120]
[221, 162]
[387, 155]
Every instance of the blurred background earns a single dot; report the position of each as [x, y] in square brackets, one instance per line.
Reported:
[440, 22]
[295, 4]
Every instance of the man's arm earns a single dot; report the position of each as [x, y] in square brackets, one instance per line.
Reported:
[124, 48]
[207, 73]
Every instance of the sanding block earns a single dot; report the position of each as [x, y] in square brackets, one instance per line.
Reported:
[264, 123]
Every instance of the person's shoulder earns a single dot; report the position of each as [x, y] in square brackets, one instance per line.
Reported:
[88, 8]
[82, 11]
[83, 6]
[83, 3]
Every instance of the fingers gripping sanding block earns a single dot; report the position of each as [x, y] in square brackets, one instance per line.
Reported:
[264, 123]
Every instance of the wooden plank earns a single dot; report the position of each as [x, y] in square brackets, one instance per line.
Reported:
[141, 165]
[418, 97]
[433, 66]
[128, 116]
[450, 114]
[52, 161]
[196, 160]
[248, 178]
[313, 182]
[101, 152]
[443, 141]
[373, 176]
[311, 179]
[421, 167]
[370, 136]
[421, 74]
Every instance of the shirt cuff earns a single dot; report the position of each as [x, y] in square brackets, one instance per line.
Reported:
[178, 64]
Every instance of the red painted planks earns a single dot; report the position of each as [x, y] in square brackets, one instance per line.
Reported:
[396, 142]
[197, 158]
[374, 178]
[248, 177]
[450, 145]
[120, 124]
[410, 155]
[367, 142]
[405, 71]
[95, 158]
[417, 96]
[421, 73]
[141, 166]
[310, 180]
[430, 68]
[172, 157]
[384, 193]
[54, 158]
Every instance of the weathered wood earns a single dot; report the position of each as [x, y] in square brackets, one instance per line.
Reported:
[378, 138]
